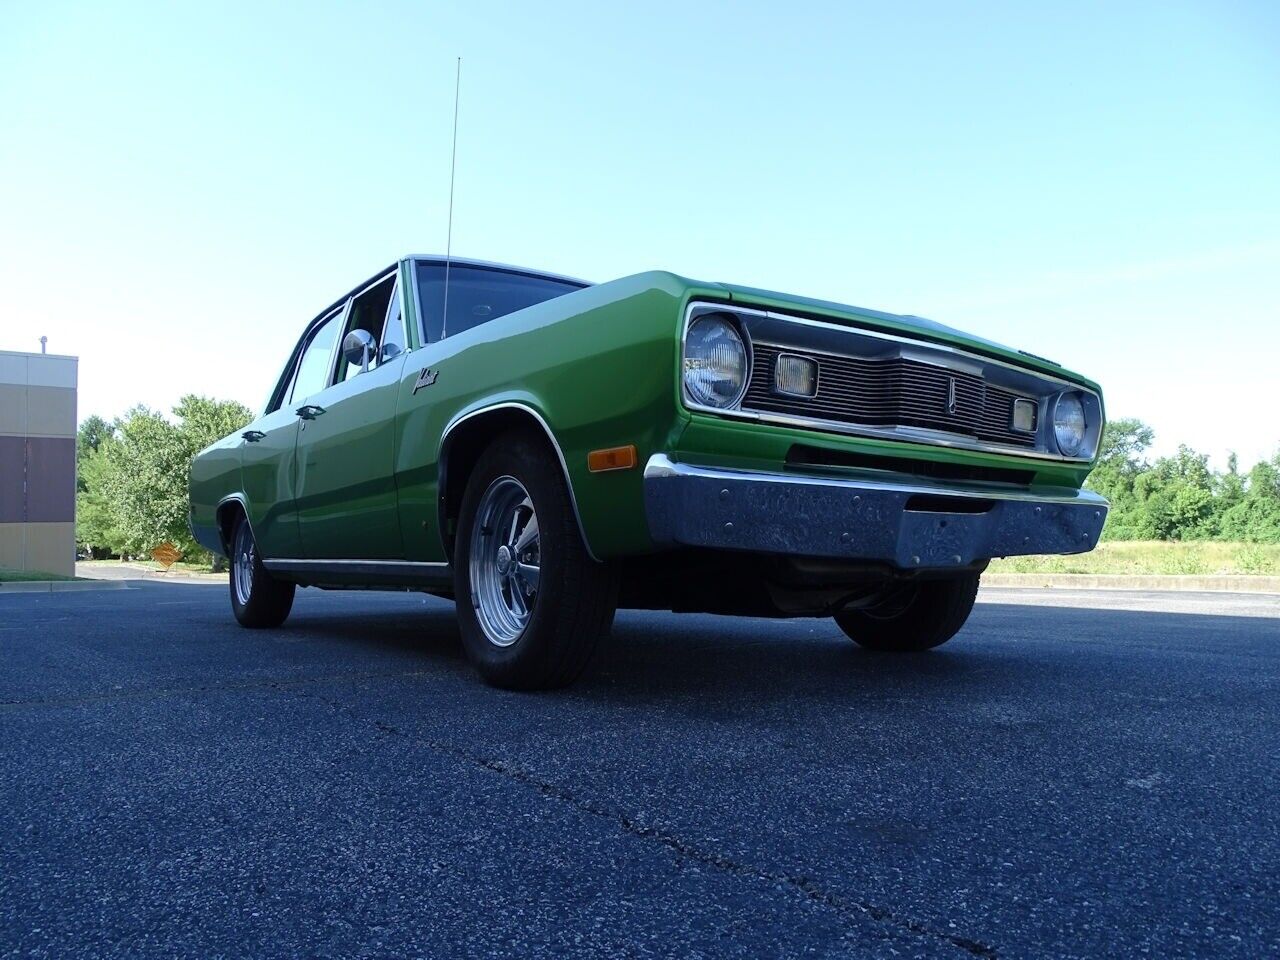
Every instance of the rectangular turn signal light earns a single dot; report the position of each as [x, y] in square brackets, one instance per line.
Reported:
[795, 376]
[614, 458]
[1024, 415]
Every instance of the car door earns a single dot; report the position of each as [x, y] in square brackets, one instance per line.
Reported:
[268, 445]
[346, 493]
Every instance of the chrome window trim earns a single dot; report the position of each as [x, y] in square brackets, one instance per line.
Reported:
[564, 466]
[492, 265]
[396, 301]
[411, 274]
[906, 434]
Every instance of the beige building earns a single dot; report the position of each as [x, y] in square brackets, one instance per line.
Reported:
[38, 462]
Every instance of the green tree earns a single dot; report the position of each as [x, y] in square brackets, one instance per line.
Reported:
[1255, 517]
[1120, 464]
[89, 438]
[1176, 496]
[95, 518]
[144, 477]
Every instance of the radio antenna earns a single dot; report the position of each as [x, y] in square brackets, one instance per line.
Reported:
[453, 167]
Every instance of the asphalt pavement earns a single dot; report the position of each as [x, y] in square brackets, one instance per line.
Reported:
[1075, 775]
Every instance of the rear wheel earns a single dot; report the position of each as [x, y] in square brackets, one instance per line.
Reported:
[917, 616]
[257, 599]
[532, 604]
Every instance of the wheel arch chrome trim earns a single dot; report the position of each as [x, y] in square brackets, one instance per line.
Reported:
[462, 418]
[238, 498]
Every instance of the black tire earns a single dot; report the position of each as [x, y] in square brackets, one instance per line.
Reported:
[268, 601]
[918, 616]
[572, 604]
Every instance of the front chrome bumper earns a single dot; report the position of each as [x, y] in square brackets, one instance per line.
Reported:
[911, 526]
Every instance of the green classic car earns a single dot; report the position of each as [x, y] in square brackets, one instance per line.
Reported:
[543, 450]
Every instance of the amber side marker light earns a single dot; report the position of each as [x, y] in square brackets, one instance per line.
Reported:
[614, 458]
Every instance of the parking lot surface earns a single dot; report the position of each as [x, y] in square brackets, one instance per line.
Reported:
[1076, 775]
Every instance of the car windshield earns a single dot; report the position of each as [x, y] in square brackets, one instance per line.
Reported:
[479, 294]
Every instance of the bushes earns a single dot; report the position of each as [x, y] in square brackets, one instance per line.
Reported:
[1181, 497]
[133, 475]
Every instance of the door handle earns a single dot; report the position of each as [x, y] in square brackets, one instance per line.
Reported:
[253, 436]
[309, 411]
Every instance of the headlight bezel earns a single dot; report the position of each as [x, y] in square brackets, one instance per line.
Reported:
[737, 329]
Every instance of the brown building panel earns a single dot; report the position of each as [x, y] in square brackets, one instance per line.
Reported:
[12, 455]
[51, 479]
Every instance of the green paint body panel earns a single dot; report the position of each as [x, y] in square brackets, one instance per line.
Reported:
[600, 367]
[344, 485]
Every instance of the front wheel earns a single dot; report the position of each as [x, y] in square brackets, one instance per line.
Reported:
[532, 604]
[913, 617]
[257, 599]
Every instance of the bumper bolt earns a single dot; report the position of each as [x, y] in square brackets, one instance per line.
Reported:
[724, 494]
[728, 528]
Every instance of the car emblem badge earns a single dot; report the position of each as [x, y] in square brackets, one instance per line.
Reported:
[951, 396]
[425, 379]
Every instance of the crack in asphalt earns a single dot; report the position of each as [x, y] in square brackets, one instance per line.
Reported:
[848, 907]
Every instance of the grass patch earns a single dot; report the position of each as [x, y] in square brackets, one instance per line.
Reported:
[29, 576]
[1153, 557]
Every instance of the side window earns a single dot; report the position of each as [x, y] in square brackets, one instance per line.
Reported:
[313, 368]
[368, 313]
[478, 294]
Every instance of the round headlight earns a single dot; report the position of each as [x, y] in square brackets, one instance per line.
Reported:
[715, 362]
[1068, 423]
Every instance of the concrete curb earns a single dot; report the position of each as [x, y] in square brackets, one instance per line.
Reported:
[63, 586]
[140, 573]
[1225, 583]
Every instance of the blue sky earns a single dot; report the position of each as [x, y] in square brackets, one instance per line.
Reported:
[183, 186]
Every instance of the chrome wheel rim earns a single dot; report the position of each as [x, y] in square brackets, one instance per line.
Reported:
[242, 557]
[506, 560]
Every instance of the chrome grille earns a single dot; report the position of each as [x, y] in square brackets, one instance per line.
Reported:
[890, 392]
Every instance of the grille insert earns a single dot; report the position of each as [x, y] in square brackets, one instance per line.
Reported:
[891, 392]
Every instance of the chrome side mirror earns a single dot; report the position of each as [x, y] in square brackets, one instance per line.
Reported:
[359, 347]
